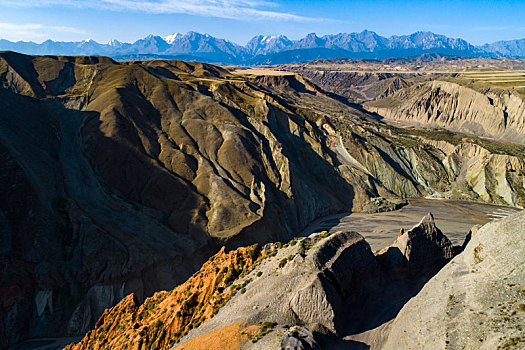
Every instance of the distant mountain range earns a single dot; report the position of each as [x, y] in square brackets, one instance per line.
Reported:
[273, 49]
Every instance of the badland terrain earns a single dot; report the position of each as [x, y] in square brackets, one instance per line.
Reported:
[156, 204]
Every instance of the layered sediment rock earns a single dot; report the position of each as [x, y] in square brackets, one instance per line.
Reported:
[492, 112]
[319, 284]
[357, 86]
[165, 317]
[305, 282]
[124, 178]
[413, 163]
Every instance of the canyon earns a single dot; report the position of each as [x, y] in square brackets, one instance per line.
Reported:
[122, 179]
[339, 295]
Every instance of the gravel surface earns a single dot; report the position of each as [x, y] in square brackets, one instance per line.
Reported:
[454, 218]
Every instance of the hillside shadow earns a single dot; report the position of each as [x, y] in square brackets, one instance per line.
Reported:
[384, 303]
[98, 235]
[332, 343]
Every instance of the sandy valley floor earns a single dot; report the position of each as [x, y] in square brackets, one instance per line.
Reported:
[454, 218]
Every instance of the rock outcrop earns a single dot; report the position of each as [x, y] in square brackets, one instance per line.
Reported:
[477, 301]
[165, 317]
[414, 162]
[299, 338]
[423, 247]
[492, 112]
[307, 282]
[123, 178]
[321, 284]
[335, 286]
[379, 205]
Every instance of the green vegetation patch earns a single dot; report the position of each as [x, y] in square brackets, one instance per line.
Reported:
[324, 234]
[513, 343]
[264, 328]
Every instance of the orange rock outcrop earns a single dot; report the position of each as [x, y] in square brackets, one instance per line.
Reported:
[166, 316]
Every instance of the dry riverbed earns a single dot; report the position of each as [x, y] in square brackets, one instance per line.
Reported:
[453, 217]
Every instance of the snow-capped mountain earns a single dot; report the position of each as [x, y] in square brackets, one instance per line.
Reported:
[115, 43]
[152, 44]
[272, 49]
[264, 44]
[196, 43]
[170, 39]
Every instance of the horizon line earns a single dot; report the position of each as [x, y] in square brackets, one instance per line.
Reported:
[228, 40]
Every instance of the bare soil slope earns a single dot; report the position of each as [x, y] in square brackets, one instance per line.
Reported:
[124, 178]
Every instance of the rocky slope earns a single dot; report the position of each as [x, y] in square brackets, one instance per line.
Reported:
[358, 86]
[492, 112]
[483, 97]
[124, 178]
[413, 163]
[476, 301]
[409, 162]
[361, 80]
[165, 317]
[301, 293]
[326, 284]
[116, 175]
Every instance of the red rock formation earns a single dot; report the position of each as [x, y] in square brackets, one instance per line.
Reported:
[166, 316]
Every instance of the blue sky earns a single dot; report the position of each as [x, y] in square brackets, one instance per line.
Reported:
[238, 20]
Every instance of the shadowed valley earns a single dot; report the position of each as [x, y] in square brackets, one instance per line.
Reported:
[125, 177]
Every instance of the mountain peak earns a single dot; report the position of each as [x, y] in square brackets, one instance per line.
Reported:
[207, 48]
[264, 44]
[114, 43]
[171, 38]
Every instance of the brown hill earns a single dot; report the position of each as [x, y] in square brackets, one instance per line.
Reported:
[124, 178]
[476, 301]
[479, 96]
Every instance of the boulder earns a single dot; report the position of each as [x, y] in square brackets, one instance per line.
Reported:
[299, 338]
[380, 205]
